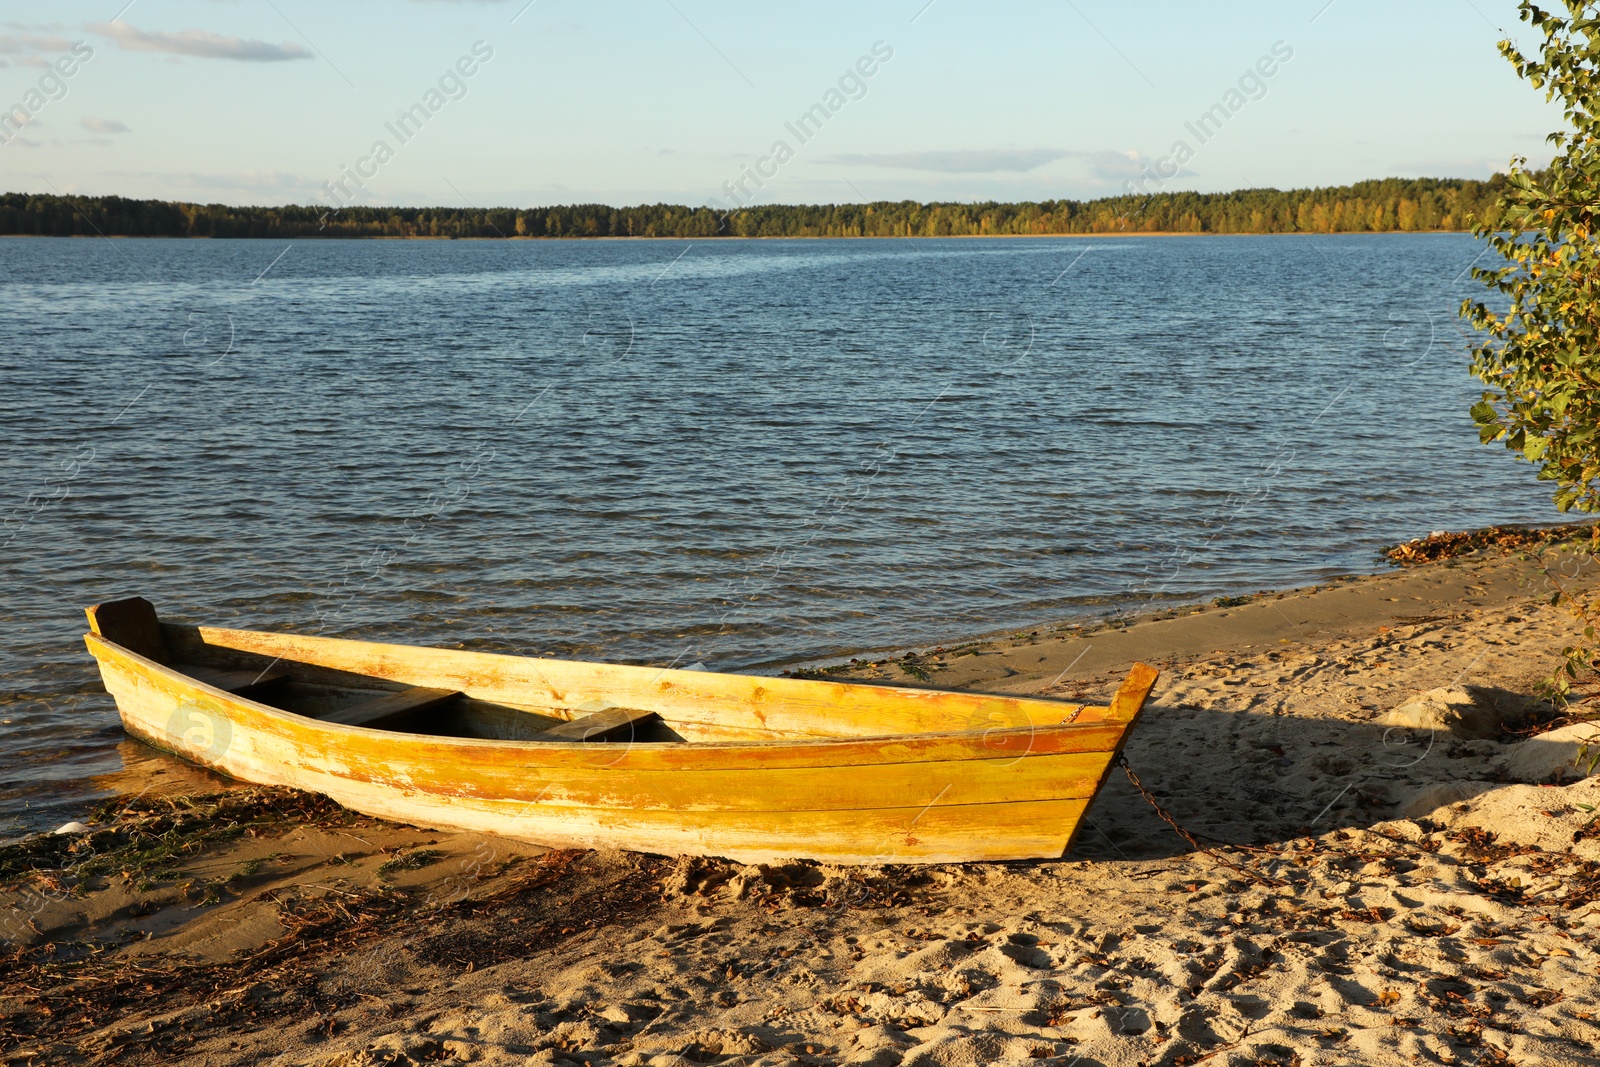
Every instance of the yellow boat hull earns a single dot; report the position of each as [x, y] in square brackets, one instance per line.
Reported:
[757, 769]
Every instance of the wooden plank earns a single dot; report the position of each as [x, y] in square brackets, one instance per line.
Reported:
[131, 623]
[371, 756]
[786, 708]
[691, 793]
[239, 682]
[598, 726]
[1131, 695]
[916, 833]
[390, 706]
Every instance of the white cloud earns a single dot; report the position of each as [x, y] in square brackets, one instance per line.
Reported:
[1107, 167]
[272, 186]
[14, 44]
[1111, 165]
[959, 161]
[198, 43]
[94, 125]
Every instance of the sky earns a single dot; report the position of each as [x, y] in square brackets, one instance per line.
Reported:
[687, 101]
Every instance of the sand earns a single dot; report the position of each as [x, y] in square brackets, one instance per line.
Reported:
[1404, 881]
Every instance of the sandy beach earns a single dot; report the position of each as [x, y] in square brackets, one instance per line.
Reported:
[1406, 870]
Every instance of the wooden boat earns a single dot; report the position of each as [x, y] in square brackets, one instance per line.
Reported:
[601, 755]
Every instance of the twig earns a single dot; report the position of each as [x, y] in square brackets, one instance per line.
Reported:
[326, 888]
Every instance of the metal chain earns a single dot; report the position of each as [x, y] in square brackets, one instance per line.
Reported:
[1194, 842]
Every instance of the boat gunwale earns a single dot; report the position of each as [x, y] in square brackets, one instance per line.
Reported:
[912, 693]
[296, 720]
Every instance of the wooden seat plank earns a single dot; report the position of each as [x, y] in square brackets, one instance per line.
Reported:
[390, 706]
[231, 681]
[598, 726]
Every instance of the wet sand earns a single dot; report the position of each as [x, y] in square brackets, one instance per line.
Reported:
[1408, 875]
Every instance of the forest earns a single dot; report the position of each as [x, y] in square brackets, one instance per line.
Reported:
[1386, 205]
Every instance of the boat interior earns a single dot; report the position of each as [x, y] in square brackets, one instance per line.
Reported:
[336, 696]
[499, 709]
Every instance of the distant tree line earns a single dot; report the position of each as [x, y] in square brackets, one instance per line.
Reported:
[1390, 204]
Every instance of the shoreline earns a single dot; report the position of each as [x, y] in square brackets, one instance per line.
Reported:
[1337, 606]
[777, 237]
[1408, 870]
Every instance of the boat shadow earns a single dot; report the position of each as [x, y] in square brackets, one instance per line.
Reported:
[1244, 778]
